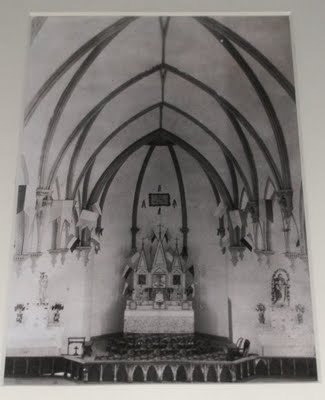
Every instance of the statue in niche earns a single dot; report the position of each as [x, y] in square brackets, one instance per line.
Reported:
[280, 288]
[43, 283]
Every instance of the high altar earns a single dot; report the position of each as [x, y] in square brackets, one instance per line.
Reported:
[160, 301]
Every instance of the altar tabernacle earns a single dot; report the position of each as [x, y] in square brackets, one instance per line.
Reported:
[158, 300]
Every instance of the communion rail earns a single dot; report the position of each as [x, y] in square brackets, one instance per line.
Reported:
[117, 371]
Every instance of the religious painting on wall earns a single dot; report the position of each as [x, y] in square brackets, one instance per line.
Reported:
[160, 230]
[280, 288]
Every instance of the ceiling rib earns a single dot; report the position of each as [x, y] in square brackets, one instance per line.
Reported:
[252, 51]
[266, 103]
[72, 192]
[184, 229]
[123, 156]
[94, 112]
[224, 148]
[64, 98]
[134, 227]
[75, 56]
[237, 114]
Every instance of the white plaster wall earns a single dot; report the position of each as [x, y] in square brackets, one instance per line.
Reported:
[68, 284]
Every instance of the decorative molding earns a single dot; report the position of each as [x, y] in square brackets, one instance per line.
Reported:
[259, 254]
[19, 258]
[55, 252]
[34, 256]
[236, 252]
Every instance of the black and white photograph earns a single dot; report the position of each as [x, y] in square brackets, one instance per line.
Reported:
[160, 226]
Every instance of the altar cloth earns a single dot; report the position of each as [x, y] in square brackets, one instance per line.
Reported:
[159, 321]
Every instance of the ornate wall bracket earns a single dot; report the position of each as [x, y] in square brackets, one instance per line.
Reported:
[19, 260]
[34, 257]
[83, 252]
[259, 254]
[55, 252]
[237, 252]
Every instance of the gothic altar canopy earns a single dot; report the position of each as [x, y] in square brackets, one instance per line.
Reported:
[160, 292]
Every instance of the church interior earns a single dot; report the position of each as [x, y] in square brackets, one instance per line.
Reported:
[160, 226]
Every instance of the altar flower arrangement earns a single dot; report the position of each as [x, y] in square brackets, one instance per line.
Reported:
[260, 308]
[19, 309]
[300, 309]
[57, 307]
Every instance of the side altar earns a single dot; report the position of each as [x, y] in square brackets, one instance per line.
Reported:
[161, 295]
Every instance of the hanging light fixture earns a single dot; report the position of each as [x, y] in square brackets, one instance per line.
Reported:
[174, 203]
[143, 205]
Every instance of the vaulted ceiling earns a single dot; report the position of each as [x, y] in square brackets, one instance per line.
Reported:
[220, 89]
